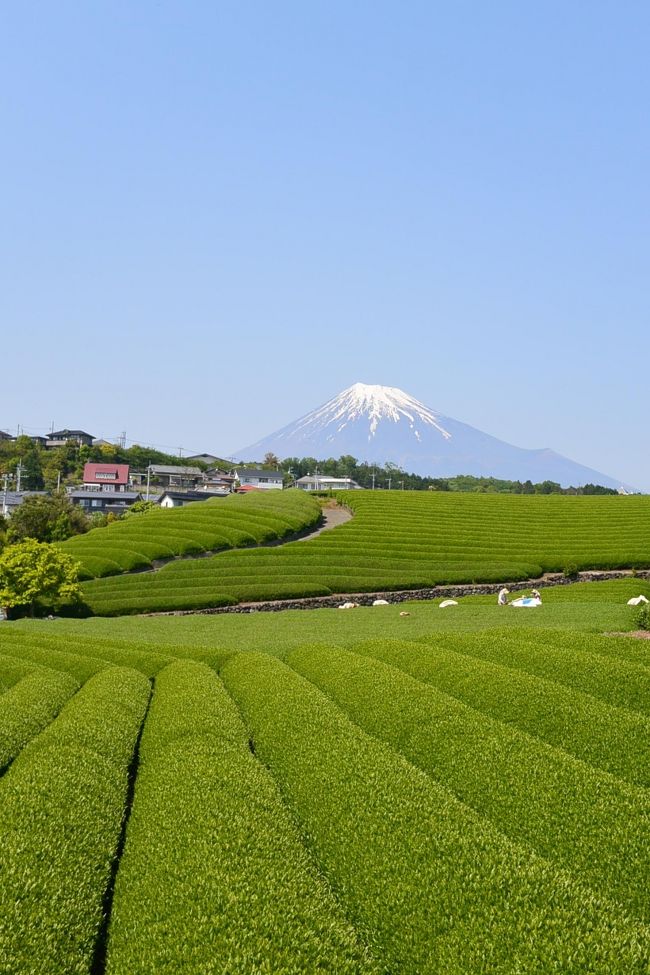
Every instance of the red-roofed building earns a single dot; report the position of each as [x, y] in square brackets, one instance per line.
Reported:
[106, 477]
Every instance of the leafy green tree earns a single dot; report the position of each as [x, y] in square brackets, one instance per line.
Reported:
[46, 518]
[33, 571]
[139, 508]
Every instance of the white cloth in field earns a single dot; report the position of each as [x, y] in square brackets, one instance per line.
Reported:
[447, 602]
[637, 600]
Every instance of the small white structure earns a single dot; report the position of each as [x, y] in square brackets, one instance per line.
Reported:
[637, 600]
[349, 606]
[447, 602]
[322, 482]
[380, 602]
[502, 598]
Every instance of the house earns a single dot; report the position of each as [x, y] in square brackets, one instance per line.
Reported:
[322, 482]
[10, 500]
[60, 438]
[176, 477]
[6, 436]
[103, 502]
[106, 477]
[259, 478]
[177, 499]
[214, 478]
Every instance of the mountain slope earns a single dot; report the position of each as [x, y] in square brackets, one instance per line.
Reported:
[382, 423]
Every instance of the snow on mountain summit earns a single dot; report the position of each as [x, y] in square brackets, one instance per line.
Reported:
[377, 403]
[378, 424]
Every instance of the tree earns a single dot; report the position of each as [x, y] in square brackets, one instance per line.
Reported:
[47, 519]
[271, 460]
[32, 571]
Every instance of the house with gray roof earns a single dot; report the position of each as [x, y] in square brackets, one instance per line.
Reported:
[259, 478]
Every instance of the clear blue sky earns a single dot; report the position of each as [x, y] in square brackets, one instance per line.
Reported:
[215, 216]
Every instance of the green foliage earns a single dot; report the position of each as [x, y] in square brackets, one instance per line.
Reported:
[565, 810]
[395, 541]
[611, 739]
[435, 887]
[214, 876]
[642, 618]
[392, 476]
[139, 508]
[29, 707]
[46, 518]
[218, 524]
[32, 571]
[61, 809]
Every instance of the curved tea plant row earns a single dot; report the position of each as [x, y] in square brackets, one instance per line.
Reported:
[61, 809]
[433, 885]
[204, 526]
[214, 877]
[403, 540]
[566, 810]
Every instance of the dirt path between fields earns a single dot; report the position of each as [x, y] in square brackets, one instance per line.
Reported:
[332, 518]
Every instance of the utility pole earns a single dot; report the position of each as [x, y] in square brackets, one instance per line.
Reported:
[19, 473]
[373, 480]
[389, 480]
[4, 497]
[402, 484]
[148, 480]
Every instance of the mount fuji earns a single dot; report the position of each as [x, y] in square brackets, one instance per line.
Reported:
[378, 424]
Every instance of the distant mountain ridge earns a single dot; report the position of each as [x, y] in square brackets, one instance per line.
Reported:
[378, 424]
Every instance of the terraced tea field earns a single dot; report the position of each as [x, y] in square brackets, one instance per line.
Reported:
[402, 540]
[208, 526]
[323, 791]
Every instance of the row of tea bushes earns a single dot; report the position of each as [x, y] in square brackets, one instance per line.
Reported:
[612, 739]
[29, 707]
[214, 877]
[574, 662]
[431, 885]
[62, 804]
[219, 523]
[583, 819]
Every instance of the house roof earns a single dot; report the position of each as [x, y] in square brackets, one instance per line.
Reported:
[247, 487]
[192, 495]
[257, 472]
[5, 436]
[69, 434]
[185, 471]
[113, 473]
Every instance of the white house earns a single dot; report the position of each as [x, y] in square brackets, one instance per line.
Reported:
[265, 480]
[178, 499]
[322, 482]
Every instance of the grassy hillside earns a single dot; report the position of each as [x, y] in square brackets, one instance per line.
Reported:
[403, 540]
[206, 526]
[344, 792]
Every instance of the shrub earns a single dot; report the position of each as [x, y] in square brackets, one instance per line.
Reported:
[642, 618]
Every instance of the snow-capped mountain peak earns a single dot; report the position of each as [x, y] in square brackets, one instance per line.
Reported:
[377, 424]
[376, 403]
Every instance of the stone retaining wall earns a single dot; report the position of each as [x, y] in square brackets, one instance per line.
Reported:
[405, 595]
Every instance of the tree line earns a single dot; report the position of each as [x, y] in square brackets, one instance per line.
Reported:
[391, 476]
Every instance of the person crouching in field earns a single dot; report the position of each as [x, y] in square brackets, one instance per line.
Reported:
[502, 599]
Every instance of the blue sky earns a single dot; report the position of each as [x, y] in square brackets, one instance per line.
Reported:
[217, 216]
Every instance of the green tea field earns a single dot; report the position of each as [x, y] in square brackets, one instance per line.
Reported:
[396, 540]
[233, 522]
[447, 791]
